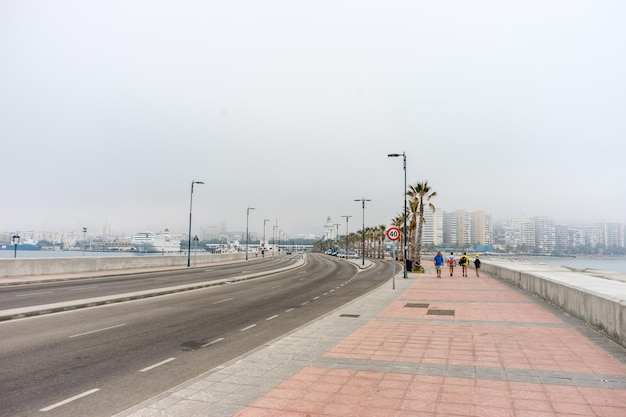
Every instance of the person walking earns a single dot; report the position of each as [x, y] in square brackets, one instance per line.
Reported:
[438, 263]
[451, 263]
[477, 265]
[463, 261]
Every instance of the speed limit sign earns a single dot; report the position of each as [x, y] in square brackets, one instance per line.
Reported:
[393, 233]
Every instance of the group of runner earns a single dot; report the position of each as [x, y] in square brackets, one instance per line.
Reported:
[463, 261]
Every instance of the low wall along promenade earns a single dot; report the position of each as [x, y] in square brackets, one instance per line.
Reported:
[52, 266]
[596, 299]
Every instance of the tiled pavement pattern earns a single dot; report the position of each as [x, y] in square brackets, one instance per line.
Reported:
[430, 348]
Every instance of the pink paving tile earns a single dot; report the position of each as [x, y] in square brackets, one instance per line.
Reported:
[516, 347]
[515, 312]
[438, 396]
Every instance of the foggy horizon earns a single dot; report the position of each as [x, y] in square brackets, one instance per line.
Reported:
[110, 109]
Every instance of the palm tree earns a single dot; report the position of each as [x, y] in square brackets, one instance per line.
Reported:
[420, 195]
[380, 237]
[398, 222]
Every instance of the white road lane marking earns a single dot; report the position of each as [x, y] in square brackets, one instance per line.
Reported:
[272, 318]
[212, 342]
[157, 364]
[223, 301]
[33, 293]
[69, 400]
[289, 309]
[97, 330]
[315, 298]
[247, 328]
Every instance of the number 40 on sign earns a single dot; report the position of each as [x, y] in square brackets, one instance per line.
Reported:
[393, 233]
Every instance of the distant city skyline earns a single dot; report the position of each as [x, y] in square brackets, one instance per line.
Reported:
[355, 224]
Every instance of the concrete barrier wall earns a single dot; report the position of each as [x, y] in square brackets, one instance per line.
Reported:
[50, 266]
[596, 301]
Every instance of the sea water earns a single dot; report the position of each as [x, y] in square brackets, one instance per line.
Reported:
[32, 254]
[617, 264]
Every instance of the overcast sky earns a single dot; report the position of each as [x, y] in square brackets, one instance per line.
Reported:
[109, 109]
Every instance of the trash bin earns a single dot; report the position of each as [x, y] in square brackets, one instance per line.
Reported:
[409, 265]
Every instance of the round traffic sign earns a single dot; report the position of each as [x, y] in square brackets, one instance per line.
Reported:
[393, 233]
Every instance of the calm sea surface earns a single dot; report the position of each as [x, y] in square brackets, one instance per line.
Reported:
[4, 254]
[605, 264]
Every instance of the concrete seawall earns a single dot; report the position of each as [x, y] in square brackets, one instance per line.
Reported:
[50, 266]
[598, 302]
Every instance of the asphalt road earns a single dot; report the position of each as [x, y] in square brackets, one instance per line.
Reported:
[39, 293]
[100, 361]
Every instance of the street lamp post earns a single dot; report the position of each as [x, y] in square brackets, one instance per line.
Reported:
[347, 217]
[362, 200]
[337, 237]
[280, 232]
[84, 239]
[406, 247]
[189, 237]
[274, 238]
[264, 222]
[16, 241]
[247, 234]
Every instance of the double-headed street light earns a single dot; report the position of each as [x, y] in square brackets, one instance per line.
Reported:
[16, 241]
[247, 234]
[406, 247]
[347, 217]
[189, 238]
[362, 200]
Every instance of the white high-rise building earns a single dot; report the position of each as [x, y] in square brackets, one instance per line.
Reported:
[545, 235]
[432, 232]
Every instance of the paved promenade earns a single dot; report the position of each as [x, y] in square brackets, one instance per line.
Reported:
[432, 347]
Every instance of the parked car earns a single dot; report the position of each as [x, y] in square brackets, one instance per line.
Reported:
[351, 255]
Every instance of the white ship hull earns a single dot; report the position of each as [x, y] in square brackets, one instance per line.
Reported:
[148, 242]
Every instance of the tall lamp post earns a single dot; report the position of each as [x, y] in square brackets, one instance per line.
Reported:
[347, 217]
[189, 237]
[403, 155]
[247, 234]
[264, 222]
[362, 200]
[274, 238]
[337, 236]
[84, 239]
[16, 241]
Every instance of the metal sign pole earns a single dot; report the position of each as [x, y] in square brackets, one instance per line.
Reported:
[393, 265]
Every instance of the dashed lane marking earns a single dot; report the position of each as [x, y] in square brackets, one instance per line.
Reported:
[69, 400]
[272, 318]
[97, 330]
[223, 301]
[157, 365]
[212, 342]
[247, 328]
[33, 293]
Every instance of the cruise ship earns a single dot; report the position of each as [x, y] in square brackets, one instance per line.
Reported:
[148, 242]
